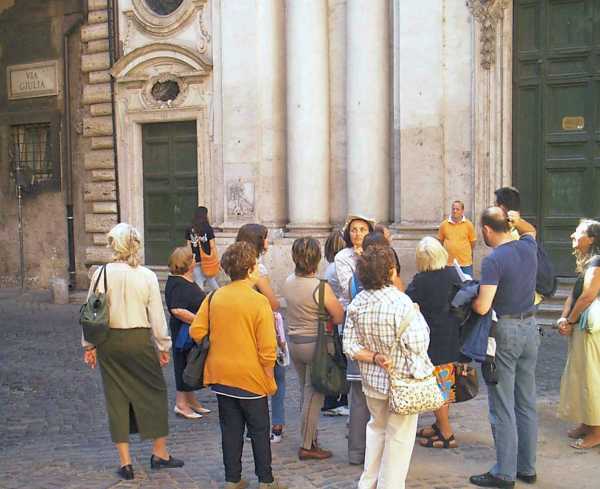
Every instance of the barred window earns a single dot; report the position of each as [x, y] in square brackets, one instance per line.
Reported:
[31, 151]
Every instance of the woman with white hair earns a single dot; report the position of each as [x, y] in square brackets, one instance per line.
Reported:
[131, 358]
[432, 288]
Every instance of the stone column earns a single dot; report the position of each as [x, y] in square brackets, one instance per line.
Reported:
[271, 90]
[307, 114]
[368, 91]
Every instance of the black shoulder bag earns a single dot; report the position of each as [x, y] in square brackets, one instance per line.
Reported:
[327, 370]
[193, 374]
[93, 315]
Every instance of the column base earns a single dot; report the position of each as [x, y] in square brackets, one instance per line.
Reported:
[303, 229]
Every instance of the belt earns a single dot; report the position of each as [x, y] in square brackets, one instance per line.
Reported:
[521, 315]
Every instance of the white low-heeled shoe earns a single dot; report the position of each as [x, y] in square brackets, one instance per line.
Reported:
[192, 415]
[200, 410]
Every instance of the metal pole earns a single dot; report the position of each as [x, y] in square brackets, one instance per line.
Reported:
[20, 224]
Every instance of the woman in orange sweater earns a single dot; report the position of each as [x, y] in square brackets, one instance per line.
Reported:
[239, 367]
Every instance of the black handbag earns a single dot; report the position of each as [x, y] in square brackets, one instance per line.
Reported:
[467, 383]
[193, 373]
[94, 314]
[328, 370]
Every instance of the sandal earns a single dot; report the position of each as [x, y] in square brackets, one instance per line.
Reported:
[577, 433]
[578, 445]
[434, 427]
[449, 442]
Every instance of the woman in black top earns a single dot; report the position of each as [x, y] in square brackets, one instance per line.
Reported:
[183, 298]
[432, 288]
[201, 235]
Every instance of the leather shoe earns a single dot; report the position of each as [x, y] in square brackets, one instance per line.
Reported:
[192, 415]
[126, 472]
[242, 484]
[161, 463]
[528, 479]
[489, 480]
[314, 453]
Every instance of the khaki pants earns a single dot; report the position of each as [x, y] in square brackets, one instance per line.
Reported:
[312, 401]
[390, 442]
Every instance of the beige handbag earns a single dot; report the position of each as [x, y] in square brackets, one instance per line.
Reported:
[408, 395]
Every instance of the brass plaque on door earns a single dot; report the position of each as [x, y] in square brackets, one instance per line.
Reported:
[573, 123]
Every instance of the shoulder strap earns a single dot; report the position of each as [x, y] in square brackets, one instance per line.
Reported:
[322, 312]
[412, 311]
[210, 296]
[102, 271]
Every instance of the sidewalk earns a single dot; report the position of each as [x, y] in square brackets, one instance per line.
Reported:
[55, 434]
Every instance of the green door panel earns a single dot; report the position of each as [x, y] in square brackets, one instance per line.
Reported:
[556, 118]
[170, 186]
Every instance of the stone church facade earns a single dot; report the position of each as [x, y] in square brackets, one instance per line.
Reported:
[288, 113]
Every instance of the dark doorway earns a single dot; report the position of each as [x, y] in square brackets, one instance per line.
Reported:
[556, 118]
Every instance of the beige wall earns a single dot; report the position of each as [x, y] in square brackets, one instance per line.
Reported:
[433, 80]
[44, 213]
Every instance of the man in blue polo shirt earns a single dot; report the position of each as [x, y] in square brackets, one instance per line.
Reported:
[507, 285]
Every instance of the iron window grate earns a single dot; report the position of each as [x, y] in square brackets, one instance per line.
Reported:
[31, 152]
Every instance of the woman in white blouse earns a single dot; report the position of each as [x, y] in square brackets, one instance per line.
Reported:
[355, 230]
[131, 358]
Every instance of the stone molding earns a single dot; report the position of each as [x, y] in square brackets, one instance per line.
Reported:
[135, 74]
[125, 68]
[492, 105]
[156, 25]
[489, 14]
[99, 189]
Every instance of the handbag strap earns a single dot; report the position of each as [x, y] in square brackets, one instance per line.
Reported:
[210, 296]
[399, 332]
[102, 271]
[322, 316]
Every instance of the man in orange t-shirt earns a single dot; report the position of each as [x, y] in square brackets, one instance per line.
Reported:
[457, 234]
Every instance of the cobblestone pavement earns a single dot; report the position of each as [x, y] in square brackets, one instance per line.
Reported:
[54, 429]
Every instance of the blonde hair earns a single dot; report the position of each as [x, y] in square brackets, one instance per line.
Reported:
[431, 255]
[180, 260]
[125, 241]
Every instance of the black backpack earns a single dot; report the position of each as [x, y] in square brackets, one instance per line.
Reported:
[545, 281]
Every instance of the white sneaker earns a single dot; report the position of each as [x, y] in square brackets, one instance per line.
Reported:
[276, 437]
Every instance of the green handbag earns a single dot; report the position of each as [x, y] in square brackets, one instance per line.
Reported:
[328, 370]
[93, 315]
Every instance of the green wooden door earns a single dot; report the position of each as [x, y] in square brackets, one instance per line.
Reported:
[170, 186]
[556, 117]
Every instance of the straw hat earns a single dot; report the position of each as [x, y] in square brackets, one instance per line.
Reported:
[358, 217]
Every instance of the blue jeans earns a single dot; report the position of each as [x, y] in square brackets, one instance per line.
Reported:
[205, 283]
[468, 269]
[512, 402]
[278, 399]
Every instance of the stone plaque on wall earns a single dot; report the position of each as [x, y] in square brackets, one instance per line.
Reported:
[32, 80]
[240, 198]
